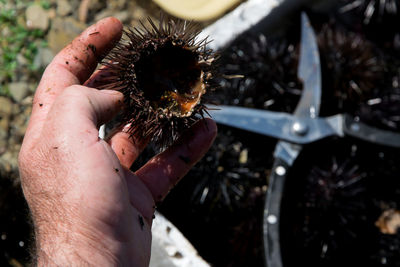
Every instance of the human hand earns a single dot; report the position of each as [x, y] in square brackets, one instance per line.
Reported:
[87, 207]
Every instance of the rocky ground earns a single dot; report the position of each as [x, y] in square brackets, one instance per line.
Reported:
[32, 32]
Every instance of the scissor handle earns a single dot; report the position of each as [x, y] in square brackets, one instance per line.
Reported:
[272, 208]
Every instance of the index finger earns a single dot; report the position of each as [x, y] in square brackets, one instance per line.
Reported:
[73, 65]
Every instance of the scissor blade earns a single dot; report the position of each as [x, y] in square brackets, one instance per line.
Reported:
[309, 71]
[258, 121]
[273, 124]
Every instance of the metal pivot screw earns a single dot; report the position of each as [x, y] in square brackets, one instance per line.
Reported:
[280, 170]
[299, 128]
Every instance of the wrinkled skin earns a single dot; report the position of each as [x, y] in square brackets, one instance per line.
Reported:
[87, 207]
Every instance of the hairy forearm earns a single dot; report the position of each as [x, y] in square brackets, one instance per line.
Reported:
[65, 246]
[61, 257]
[70, 256]
[69, 252]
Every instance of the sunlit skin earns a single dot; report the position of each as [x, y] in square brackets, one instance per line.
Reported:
[88, 208]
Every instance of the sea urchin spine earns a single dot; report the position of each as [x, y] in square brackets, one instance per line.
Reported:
[163, 71]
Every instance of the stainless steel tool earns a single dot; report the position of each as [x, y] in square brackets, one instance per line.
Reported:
[294, 131]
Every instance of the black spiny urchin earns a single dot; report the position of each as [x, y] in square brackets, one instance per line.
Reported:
[377, 18]
[373, 9]
[382, 110]
[351, 69]
[163, 71]
[328, 196]
[269, 67]
[332, 203]
[224, 177]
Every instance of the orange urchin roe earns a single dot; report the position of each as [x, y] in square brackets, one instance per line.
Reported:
[187, 102]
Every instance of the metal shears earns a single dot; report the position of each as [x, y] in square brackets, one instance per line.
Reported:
[295, 130]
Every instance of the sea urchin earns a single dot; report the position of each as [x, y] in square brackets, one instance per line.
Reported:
[351, 69]
[163, 71]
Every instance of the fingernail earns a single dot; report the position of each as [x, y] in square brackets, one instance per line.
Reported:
[112, 93]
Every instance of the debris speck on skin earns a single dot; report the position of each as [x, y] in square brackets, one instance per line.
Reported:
[116, 170]
[178, 255]
[40, 105]
[184, 159]
[66, 62]
[141, 222]
[55, 147]
[92, 47]
[123, 151]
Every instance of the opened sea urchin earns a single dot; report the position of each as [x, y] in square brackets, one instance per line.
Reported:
[163, 72]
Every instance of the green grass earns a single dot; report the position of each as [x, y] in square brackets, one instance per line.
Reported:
[17, 40]
[45, 4]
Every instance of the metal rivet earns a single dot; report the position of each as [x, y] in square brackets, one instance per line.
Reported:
[271, 219]
[280, 170]
[299, 128]
[313, 112]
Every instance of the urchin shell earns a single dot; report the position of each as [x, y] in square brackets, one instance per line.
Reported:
[373, 9]
[383, 107]
[351, 69]
[163, 72]
[269, 70]
[376, 18]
